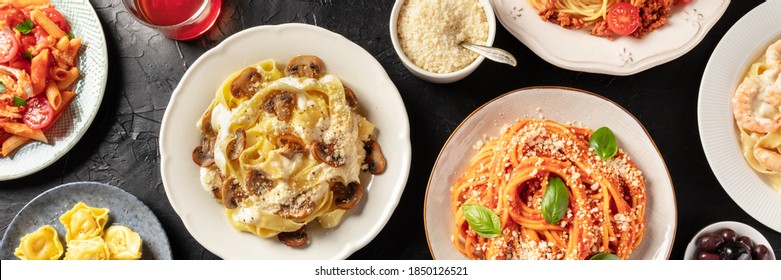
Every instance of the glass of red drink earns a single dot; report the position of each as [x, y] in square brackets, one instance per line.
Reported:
[176, 19]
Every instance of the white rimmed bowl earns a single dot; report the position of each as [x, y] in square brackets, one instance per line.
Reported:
[740, 229]
[440, 78]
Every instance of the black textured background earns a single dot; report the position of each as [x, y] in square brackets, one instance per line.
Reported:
[121, 146]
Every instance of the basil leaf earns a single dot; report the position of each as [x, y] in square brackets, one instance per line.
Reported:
[28, 55]
[604, 143]
[604, 257]
[555, 201]
[70, 35]
[2, 87]
[19, 102]
[482, 220]
[25, 27]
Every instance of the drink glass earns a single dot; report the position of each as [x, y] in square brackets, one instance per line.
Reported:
[175, 19]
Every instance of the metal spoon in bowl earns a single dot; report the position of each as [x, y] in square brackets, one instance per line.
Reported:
[495, 54]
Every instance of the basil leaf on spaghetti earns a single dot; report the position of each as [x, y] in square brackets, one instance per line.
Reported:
[604, 257]
[482, 220]
[555, 201]
[604, 143]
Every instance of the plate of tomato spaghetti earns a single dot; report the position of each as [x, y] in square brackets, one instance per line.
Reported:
[613, 37]
[522, 179]
[53, 70]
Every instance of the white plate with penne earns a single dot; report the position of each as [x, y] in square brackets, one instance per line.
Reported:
[53, 70]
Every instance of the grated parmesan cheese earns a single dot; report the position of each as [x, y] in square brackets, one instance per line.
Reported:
[430, 32]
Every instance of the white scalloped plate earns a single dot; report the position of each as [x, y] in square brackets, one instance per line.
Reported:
[577, 50]
[74, 122]
[740, 46]
[380, 102]
[591, 110]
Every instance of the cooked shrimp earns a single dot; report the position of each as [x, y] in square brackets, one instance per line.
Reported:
[769, 159]
[744, 114]
[773, 53]
[24, 88]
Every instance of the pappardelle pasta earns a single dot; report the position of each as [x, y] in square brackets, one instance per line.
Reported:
[284, 147]
[37, 70]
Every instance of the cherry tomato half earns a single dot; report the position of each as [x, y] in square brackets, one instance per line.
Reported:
[57, 18]
[623, 18]
[9, 46]
[39, 113]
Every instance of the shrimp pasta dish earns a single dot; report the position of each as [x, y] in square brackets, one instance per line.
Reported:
[283, 147]
[756, 107]
[601, 200]
[37, 70]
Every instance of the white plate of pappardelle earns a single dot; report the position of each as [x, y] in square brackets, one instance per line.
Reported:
[626, 55]
[743, 44]
[380, 103]
[583, 109]
[76, 119]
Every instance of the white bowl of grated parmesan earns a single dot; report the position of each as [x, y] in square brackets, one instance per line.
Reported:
[426, 35]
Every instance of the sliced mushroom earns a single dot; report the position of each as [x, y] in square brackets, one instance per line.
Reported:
[203, 155]
[326, 153]
[291, 145]
[374, 160]
[240, 87]
[232, 194]
[216, 186]
[296, 238]
[306, 66]
[258, 181]
[280, 103]
[237, 145]
[205, 124]
[345, 197]
[352, 100]
[299, 211]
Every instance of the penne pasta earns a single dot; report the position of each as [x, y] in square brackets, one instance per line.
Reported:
[38, 69]
[47, 65]
[12, 143]
[65, 78]
[47, 24]
[53, 95]
[23, 130]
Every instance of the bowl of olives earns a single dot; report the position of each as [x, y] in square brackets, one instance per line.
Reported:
[729, 241]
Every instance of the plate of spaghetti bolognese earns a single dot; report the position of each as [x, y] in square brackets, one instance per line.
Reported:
[657, 31]
[519, 159]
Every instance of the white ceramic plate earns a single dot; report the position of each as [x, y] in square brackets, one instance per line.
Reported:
[74, 122]
[740, 229]
[380, 102]
[124, 209]
[626, 55]
[741, 46]
[589, 109]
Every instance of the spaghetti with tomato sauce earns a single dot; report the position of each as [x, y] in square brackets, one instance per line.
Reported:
[38, 70]
[605, 212]
[607, 18]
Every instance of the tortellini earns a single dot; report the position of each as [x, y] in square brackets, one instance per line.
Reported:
[89, 249]
[42, 244]
[85, 236]
[123, 243]
[84, 222]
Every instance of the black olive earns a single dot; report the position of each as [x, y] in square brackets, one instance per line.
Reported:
[760, 252]
[733, 250]
[728, 234]
[707, 256]
[746, 240]
[709, 242]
